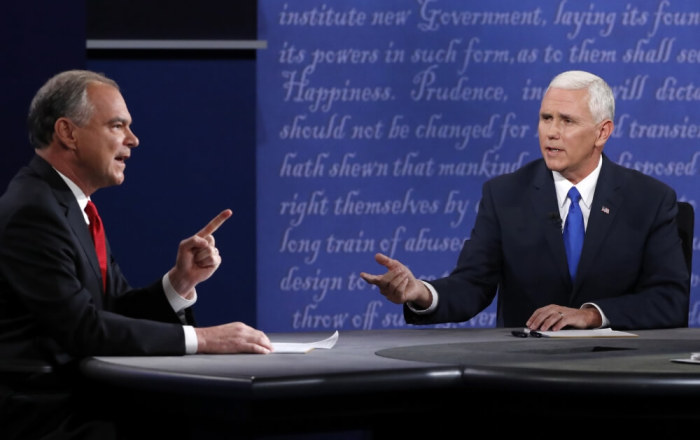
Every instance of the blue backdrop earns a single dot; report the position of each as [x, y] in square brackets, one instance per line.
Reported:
[196, 157]
[378, 122]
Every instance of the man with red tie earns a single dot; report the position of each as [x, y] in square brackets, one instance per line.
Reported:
[57, 304]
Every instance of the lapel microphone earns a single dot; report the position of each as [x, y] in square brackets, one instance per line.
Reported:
[554, 217]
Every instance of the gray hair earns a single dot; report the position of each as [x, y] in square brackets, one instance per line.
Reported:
[63, 95]
[601, 100]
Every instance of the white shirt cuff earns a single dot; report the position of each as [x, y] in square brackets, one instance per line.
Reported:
[433, 305]
[177, 302]
[190, 339]
[605, 322]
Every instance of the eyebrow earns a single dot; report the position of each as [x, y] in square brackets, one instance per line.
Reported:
[560, 115]
[118, 119]
[568, 116]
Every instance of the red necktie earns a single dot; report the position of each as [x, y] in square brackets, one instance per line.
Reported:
[98, 237]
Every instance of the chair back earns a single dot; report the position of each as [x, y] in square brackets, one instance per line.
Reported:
[686, 228]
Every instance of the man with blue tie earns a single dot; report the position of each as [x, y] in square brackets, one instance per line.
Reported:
[569, 240]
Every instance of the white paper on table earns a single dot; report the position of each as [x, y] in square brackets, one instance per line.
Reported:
[591, 333]
[305, 347]
[693, 359]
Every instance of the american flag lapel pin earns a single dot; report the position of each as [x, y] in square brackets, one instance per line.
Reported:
[605, 209]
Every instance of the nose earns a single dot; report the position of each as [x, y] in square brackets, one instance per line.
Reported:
[552, 130]
[131, 140]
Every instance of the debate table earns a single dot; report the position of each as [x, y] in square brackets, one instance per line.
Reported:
[419, 381]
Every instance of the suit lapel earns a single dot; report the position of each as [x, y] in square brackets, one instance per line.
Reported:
[71, 209]
[606, 201]
[544, 205]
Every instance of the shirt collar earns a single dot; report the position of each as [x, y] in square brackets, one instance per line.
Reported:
[78, 193]
[586, 187]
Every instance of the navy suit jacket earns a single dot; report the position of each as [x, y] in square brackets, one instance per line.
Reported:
[631, 265]
[52, 306]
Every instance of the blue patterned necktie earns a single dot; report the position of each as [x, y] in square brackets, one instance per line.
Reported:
[573, 231]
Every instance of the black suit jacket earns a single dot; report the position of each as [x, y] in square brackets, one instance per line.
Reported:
[51, 301]
[631, 265]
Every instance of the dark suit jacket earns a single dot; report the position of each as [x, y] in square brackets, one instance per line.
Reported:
[631, 265]
[51, 301]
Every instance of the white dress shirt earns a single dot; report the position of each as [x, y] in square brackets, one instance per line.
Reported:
[177, 302]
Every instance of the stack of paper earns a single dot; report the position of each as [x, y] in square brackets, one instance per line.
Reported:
[305, 347]
[594, 333]
[693, 359]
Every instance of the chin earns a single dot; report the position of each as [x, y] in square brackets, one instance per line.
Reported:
[118, 179]
[552, 165]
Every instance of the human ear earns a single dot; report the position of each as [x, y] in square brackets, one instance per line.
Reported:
[64, 130]
[604, 132]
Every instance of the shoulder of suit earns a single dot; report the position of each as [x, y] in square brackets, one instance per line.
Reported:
[640, 182]
[523, 174]
[638, 176]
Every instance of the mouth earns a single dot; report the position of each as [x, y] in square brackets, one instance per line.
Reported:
[122, 158]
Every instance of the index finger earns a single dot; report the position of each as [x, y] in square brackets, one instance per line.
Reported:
[214, 224]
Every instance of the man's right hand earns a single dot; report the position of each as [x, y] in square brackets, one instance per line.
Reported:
[197, 257]
[398, 284]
